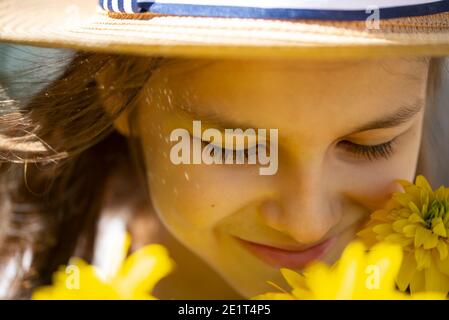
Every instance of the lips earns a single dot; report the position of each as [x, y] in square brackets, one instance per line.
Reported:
[293, 259]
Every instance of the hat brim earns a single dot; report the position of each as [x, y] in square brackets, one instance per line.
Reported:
[79, 24]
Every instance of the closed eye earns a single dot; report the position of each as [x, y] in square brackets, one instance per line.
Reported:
[369, 152]
[235, 152]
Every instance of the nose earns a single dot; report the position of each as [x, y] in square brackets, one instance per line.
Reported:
[305, 211]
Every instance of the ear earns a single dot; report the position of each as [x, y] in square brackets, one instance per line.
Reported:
[112, 100]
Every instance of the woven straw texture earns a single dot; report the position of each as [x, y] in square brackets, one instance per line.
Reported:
[79, 24]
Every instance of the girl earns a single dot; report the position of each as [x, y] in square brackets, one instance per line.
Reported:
[90, 156]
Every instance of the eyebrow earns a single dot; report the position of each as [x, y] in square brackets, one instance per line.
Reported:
[214, 120]
[402, 115]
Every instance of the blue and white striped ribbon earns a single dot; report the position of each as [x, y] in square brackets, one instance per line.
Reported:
[281, 9]
[125, 6]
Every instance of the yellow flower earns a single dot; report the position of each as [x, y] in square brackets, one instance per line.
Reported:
[134, 279]
[418, 220]
[358, 275]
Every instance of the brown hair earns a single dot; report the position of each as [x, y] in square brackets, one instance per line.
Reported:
[57, 153]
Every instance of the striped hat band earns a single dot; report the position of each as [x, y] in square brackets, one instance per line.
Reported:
[349, 10]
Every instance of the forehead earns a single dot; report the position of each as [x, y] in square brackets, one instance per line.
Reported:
[273, 93]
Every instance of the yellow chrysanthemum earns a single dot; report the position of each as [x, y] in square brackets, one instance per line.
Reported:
[134, 279]
[418, 220]
[358, 275]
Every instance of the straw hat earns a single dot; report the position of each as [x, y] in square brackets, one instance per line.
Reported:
[236, 28]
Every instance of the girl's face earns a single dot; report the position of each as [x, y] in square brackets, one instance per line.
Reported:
[346, 131]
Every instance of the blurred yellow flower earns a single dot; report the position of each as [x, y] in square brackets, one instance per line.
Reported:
[134, 279]
[358, 275]
[418, 220]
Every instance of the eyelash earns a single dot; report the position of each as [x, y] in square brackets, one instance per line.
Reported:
[375, 152]
[234, 151]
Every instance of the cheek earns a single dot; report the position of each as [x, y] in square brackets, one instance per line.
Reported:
[372, 183]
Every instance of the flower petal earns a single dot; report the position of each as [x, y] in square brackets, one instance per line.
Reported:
[414, 208]
[410, 230]
[383, 229]
[435, 281]
[426, 238]
[414, 218]
[406, 272]
[398, 225]
[423, 258]
[431, 240]
[418, 282]
[403, 199]
[142, 270]
[421, 182]
[438, 227]
[443, 266]
[294, 279]
[442, 249]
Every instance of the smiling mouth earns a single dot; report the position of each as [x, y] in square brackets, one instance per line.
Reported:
[293, 259]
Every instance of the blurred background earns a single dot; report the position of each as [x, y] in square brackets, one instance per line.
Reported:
[26, 70]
